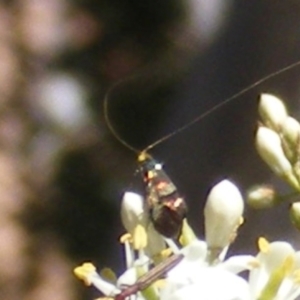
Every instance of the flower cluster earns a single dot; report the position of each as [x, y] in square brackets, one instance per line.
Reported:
[278, 143]
[186, 267]
[203, 272]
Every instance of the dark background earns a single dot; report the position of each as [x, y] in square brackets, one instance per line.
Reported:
[173, 61]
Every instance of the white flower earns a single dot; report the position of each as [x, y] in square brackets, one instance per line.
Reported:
[130, 276]
[272, 111]
[135, 219]
[223, 214]
[277, 274]
[274, 275]
[194, 278]
[87, 272]
[210, 284]
[133, 211]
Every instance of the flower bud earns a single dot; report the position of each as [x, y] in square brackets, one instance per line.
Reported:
[296, 168]
[268, 145]
[272, 111]
[291, 139]
[295, 214]
[291, 131]
[133, 211]
[135, 219]
[223, 212]
[261, 197]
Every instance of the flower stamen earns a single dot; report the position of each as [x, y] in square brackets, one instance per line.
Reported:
[139, 237]
[84, 271]
[276, 278]
[263, 245]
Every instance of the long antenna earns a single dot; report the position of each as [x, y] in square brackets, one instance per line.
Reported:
[108, 122]
[220, 105]
[192, 122]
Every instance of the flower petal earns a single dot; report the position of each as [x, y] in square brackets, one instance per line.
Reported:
[223, 212]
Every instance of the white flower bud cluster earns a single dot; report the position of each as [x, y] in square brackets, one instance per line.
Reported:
[278, 140]
[278, 144]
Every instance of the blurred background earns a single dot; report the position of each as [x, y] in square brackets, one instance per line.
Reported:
[62, 173]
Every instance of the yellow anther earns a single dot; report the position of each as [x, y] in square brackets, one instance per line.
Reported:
[263, 245]
[161, 256]
[104, 298]
[139, 237]
[166, 252]
[84, 271]
[126, 237]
